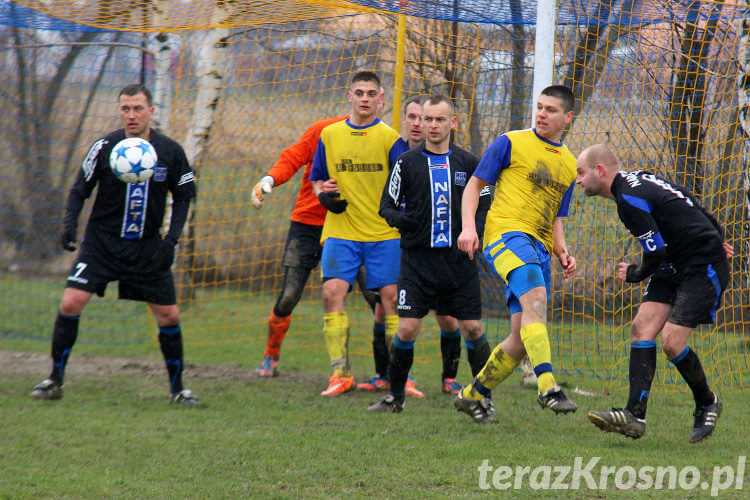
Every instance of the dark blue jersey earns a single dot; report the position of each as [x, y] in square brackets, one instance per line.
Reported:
[669, 222]
[130, 211]
[431, 187]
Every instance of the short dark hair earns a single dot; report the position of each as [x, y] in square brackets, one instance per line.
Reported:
[563, 93]
[365, 76]
[436, 99]
[135, 89]
[418, 100]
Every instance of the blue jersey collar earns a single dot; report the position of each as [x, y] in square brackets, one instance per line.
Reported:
[556, 144]
[377, 120]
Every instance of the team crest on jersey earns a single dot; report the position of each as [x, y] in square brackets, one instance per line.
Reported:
[459, 178]
[160, 174]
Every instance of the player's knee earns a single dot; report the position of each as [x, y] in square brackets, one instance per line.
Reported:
[407, 333]
[166, 315]
[285, 305]
[535, 302]
[71, 306]
[472, 330]
[640, 331]
[447, 323]
[672, 346]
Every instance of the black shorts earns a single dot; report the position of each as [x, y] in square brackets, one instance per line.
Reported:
[303, 248]
[104, 258]
[694, 292]
[440, 279]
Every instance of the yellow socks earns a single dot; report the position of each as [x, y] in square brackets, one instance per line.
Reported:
[336, 332]
[535, 339]
[391, 327]
[498, 367]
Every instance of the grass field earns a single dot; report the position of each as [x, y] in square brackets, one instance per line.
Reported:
[113, 435]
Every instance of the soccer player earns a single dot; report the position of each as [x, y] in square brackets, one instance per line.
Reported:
[685, 259]
[535, 175]
[122, 241]
[450, 335]
[302, 249]
[434, 274]
[350, 168]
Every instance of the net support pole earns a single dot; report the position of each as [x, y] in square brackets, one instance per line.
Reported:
[743, 83]
[544, 47]
[398, 78]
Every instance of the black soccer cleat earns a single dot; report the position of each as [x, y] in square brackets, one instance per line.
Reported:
[482, 411]
[48, 390]
[556, 400]
[705, 420]
[618, 420]
[389, 404]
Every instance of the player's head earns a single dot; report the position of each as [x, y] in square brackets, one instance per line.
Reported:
[597, 166]
[439, 119]
[554, 112]
[412, 120]
[365, 96]
[136, 110]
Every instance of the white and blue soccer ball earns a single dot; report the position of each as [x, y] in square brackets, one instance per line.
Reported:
[133, 160]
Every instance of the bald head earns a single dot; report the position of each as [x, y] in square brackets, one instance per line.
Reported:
[597, 167]
[599, 154]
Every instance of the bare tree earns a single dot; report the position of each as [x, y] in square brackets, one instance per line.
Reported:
[686, 106]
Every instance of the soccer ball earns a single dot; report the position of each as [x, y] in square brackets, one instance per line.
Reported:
[133, 160]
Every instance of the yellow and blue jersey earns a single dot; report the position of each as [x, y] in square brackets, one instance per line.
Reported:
[535, 179]
[359, 159]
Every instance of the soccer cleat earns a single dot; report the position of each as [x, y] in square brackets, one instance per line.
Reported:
[482, 411]
[450, 386]
[389, 404]
[48, 389]
[705, 420]
[268, 367]
[556, 400]
[338, 385]
[411, 388]
[618, 420]
[185, 398]
[376, 383]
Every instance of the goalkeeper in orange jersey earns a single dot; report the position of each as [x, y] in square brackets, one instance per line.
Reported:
[534, 174]
[302, 249]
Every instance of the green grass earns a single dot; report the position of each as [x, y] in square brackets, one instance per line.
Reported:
[114, 435]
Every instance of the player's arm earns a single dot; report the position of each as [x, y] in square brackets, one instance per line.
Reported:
[468, 240]
[485, 199]
[323, 186]
[182, 187]
[635, 214]
[494, 161]
[390, 201]
[290, 161]
[559, 247]
[81, 189]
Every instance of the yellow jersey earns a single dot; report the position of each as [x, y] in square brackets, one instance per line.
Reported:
[359, 158]
[535, 179]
